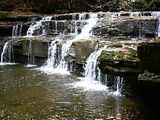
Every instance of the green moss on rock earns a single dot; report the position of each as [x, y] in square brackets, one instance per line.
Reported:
[126, 55]
[122, 62]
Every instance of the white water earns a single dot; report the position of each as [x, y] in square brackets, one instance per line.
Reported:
[91, 81]
[119, 86]
[86, 30]
[5, 48]
[37, 25]
[31, 58]
[7, 52]
[62, 67]
[85, 33]
[157, 14]
[15, 31]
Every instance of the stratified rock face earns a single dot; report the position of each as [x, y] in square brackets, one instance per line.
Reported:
[149, 56]
[39, 48]
[128, 26]
[83, 49]
[121, 62]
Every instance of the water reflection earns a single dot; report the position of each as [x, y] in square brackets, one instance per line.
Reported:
[29, 94]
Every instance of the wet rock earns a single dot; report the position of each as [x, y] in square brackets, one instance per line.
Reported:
[83, 49]
[39, 47]
[127, 26]
[147, 76]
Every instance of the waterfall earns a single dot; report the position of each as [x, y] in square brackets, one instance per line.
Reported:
[85, 33]
[56, 60]
[91, 81]
[15, 31]
[5, 48]
[38, 26]
[91, 69]
[86, 30]
[63, 65]
[157, 14]
[119, 86]
[31, 58]
[52, 50]
[7, 53]
[65, 49]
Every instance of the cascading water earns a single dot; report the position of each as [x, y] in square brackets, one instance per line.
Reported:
[31, 58]
[37, 26]
[85, 34]
[50, 67]
[15, 31]
[157, 14]
[7, 56]
[5, 48]
[119, 86]
[7, 53]
[86, 30]
[91, 65]
[63, 65]
[91, 81]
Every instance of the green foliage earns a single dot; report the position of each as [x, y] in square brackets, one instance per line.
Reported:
[131, 55]
[63, 6]
[147, 4]
[6, 6]
[3, 14]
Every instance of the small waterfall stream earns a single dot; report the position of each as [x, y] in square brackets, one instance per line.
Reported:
[157, 14]
[7, 56]
[37, 25]
[91, 81]
[91, 70]
[63, 65]
[31, 58]
[119, 86]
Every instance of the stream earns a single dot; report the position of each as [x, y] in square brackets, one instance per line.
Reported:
[26, 93]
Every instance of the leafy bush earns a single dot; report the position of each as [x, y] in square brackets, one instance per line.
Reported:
[147, 4]
[6, 6]
[3, 15]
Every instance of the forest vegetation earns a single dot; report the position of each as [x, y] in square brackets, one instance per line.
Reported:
[65, 6]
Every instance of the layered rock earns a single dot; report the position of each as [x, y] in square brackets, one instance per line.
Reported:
[121, 62]
[127, 26]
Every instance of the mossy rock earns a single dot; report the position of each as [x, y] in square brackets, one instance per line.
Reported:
[122, 62]
[128, 55]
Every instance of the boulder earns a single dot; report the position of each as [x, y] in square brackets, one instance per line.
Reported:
[39, 47]
[147, 76]
[83, 49]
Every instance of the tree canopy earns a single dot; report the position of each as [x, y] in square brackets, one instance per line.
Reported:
[63, 6]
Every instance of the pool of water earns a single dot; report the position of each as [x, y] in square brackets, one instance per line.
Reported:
[26, 93]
